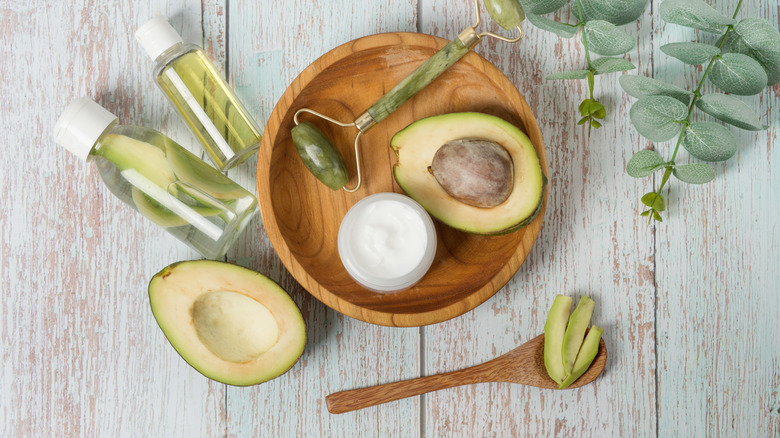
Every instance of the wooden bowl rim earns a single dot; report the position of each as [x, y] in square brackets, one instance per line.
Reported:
[291, 263]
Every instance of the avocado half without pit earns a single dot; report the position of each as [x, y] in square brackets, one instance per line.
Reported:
[230, 323]
[474, 172]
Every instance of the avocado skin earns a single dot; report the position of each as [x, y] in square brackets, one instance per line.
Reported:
[575, 332]
[530, 218]
[464, 119]
[554, 330]
[292, 310]
[319, 155]
[588, 351]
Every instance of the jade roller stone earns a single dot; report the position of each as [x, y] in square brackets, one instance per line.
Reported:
[319, 155]
[507, 13]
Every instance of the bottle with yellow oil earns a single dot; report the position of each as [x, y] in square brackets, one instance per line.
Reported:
[200, 93]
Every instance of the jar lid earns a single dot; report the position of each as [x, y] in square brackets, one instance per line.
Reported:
[157, 35]
[80, 126]
[387, 242]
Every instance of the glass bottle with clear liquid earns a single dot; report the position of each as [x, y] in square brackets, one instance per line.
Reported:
[158, 178]
[200, 93]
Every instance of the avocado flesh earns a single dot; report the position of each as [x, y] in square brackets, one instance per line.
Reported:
[416, 146]
[233, 326]
[128, 153]
[588, 351]
[192, 170]
[554, 330]
[575, 332]
[230, 323]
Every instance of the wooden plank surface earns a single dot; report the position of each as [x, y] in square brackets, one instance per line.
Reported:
[689, 307]
[592, 242]
[269, 43]
[82, 354]
[717, 272]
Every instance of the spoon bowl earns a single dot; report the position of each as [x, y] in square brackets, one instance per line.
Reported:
[523, 365]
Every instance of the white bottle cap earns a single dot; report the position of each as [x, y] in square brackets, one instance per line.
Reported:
[81, 125]
[157, 35]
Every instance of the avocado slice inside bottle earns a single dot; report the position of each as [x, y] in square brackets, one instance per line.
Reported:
[554, 330]
[192, 170]
[152, 193]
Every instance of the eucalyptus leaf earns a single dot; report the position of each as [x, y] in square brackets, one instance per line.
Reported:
[607, 39]
[696, 173]
[730, 110]
[709, 141]
[694, 13]
[640, 86]
[644, 163]
[611, 65]
[738, 74]
[575, 74]
[657, 118]
[539, 7]
[655, 201]
[561, 29]
[761, 41]
[691, 53]
[617, 12]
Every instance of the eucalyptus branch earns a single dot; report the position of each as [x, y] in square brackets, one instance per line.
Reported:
[598, 27]
[743, 62]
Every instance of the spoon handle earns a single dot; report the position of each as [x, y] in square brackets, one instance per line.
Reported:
[346, 401]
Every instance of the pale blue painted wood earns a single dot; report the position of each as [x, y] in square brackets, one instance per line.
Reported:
[82, 354]
[717, 260]
[269, 44]
[592, 242]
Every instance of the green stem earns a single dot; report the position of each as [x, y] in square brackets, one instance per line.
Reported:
[584, 38]
[696, 96]
[697, 92]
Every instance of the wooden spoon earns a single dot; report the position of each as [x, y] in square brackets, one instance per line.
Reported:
[523, 365]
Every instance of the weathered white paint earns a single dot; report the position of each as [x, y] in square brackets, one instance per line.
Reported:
[82, 354]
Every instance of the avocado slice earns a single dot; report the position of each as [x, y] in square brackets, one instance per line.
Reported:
[192, 170]
[554, 330]
[147, 159]
[164, 217]
[230, 323]
[575, 332]
[588, 351]
[416, 146]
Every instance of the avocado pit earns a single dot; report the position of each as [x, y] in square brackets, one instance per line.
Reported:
[474, 171]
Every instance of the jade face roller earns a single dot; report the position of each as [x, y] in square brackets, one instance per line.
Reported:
[317, 151]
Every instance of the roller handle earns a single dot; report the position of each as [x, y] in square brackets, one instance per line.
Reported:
[418, 79]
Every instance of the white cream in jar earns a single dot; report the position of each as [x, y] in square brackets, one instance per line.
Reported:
[387, 242]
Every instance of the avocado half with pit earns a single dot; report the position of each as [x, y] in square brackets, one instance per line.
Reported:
[416, 148]
[230, 323]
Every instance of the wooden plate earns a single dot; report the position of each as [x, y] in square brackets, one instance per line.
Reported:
[302, 216]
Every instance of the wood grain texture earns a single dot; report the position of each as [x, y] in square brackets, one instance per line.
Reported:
[81, 354]
[523, 365]
[269, 43]
[592, 242]
[717, 270]
[302, 215]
